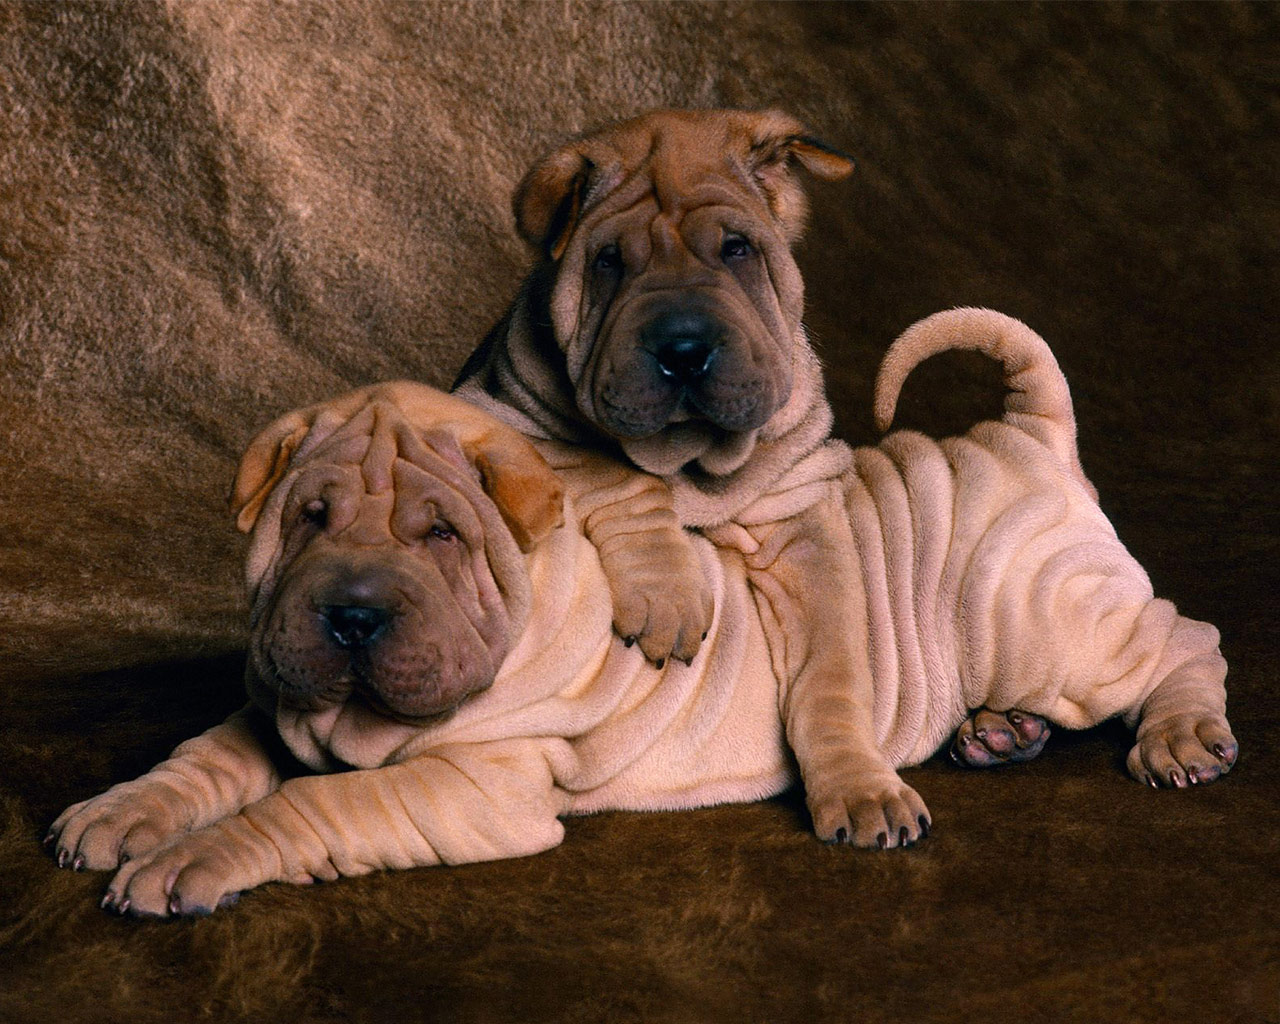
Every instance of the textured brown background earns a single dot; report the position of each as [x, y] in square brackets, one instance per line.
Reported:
[210, 213]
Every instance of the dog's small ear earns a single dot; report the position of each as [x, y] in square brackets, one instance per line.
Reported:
[816, 157]
[778, 142]
[548, 202]
[527, 491]
[262, 466]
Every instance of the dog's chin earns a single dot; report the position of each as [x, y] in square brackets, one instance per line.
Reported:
[678, 413]
[693, 447]
[667, 430]
[314, 689]
[409, 712]
[413, 710]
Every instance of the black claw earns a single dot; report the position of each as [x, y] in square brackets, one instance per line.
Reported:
[659, 663]
[882, 840]
[704, 634]
[842, 835]
[904, 836]
[924, 827]
[628, 641]
[78, 863]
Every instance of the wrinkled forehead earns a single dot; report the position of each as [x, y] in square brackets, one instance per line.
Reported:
[392, 471]
[672, 165]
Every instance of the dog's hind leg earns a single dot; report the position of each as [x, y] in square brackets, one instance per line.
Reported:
[1163, 673]
[1183, 737]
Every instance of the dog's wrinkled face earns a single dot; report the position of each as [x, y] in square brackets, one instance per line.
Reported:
[382, 573]
[676, 301]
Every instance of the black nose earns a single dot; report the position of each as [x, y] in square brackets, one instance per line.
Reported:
[683, 342]
[355, 625]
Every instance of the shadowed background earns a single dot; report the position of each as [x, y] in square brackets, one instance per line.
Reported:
[211, 213]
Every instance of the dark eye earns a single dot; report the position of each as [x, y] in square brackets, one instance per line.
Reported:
[440, 530]
[608, 260]
[316, 513]
[735, 248]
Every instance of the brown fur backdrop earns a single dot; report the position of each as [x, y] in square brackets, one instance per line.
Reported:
[212, 212]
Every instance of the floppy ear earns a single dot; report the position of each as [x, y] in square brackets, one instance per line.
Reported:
[548, 202]
[527, 491]
[262, 466]
[778, 143]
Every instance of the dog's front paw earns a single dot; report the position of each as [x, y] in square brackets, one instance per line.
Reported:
[1184, 750]
[881, 812]
[125, 822]
[194, 874]
[661, 597]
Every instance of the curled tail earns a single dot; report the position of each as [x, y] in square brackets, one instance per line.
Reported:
[1038, 401]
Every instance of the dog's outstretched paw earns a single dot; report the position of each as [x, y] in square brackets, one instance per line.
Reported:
[194, 874]
[127, 821]
[989, 738]
[1185, 750]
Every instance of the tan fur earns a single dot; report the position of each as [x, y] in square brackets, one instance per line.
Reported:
[211, 213]
[526, 493]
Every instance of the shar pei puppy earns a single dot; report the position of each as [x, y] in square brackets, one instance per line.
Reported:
[418, 616]
[428, 642]
[661, 325]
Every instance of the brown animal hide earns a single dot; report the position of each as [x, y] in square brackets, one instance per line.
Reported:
[214, 212]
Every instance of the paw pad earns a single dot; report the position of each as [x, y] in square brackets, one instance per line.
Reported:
[989, 738]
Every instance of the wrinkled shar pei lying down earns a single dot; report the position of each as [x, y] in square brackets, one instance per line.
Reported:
[420, 615]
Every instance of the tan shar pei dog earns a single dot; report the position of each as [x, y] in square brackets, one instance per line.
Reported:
[481, 692]
[662, 326]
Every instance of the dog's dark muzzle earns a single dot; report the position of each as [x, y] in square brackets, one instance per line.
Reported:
[682, 360]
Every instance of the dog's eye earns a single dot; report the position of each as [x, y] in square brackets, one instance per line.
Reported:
[608, 260]
[735, 248]
[440, 530]
[315, 513]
